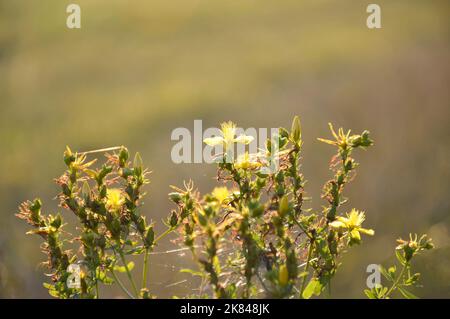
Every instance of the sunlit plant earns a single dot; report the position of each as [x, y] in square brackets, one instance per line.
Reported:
[251, 236]
[107, 204]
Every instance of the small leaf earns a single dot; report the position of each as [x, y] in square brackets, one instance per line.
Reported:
[123, 268]
[314, 287]
[400, 257]
[407, 294]
[370, 294]
[192, 272]
[385, 273]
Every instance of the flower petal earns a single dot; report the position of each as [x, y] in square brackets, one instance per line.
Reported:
[244, 139]
[369, 232]
[337, 224]
[354, 234]
[213, 141]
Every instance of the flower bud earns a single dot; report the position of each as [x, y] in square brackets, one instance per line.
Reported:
[283, 275]
[123, 156]
[69, 157]
[137, 164]
[86, 191]
[140, 224]
[149, 237]
[283, 208]
[175, 197]
[173, 219]
[296, 130]
[35, 209]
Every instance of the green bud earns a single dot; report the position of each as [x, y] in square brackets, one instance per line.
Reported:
[283, 208]
[149, 237]
[56, 221]
[123, 156]
[296, 130]
[145, 294]
[283, 132]
[173, 219]
[269, 145]
[86, 191]
[69, 157]
[35, 209]
[137, 163]
[140, 224]
[175, 197]
[349, 164]
[365, 140]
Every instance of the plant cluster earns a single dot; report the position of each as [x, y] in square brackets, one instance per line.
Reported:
[106, 202]
[400, 280]
[250, 237]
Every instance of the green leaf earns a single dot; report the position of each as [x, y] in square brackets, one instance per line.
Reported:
[123, 268]
[407, 294]
[102, 277]
[370, 294]
[192, 272]
[400, 257]
[314, 287]
[303, 274]
[385, 273]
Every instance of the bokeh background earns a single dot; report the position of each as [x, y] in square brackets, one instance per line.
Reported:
[138, 69]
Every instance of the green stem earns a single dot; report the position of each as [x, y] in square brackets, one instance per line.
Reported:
[144, 271]
[168, 231]
[394, 285]
[306, 268]
[97, 295]
[121, 284]
[122, 257]
[302, 228]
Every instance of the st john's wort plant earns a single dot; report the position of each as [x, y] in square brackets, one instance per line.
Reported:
[252, 236]
[402, 278]
[107, 204]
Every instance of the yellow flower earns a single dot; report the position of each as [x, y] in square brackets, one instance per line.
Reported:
[114, 199]
[228, 138]
[221, 194]
[352, 223]
[245, 161]
[341, 138]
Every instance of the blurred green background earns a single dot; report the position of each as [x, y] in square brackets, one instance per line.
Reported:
[138, 69]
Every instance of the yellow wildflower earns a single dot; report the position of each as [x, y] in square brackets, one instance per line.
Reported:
[352, 223]
[245, 161]
[221, 194]
[114, 199]
[228, 138]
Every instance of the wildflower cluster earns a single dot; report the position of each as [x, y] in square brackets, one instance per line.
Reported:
[404, 278]
[252, 236]
[106, 202]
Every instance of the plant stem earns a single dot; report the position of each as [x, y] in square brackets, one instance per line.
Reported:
[121, 285]
[97, 295]
[144, 271]
[122, 257]
[394, 285]
[306, 268]
[168, 231]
